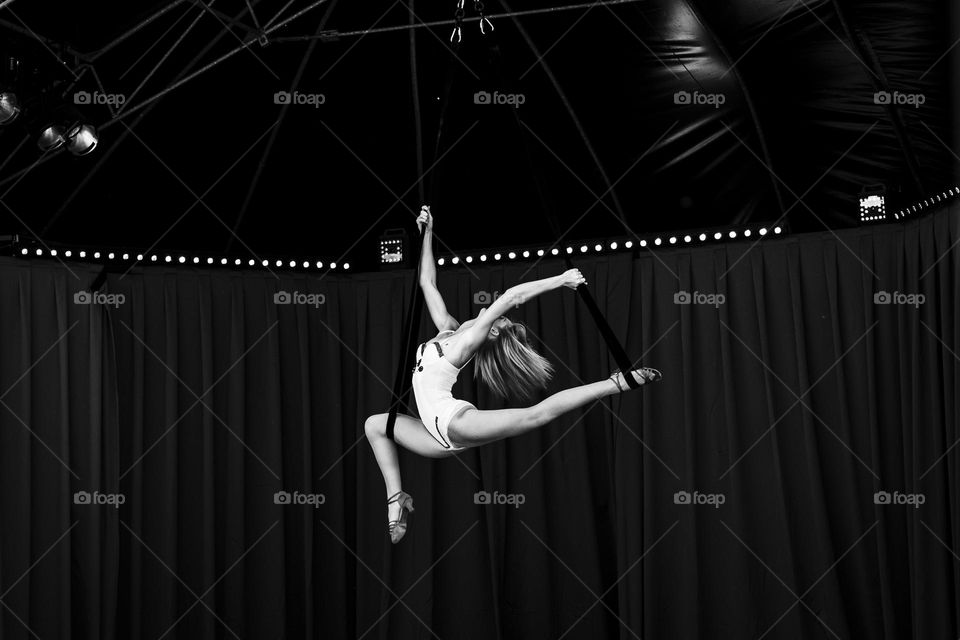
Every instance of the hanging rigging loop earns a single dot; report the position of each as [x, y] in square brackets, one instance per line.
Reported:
[458, 22]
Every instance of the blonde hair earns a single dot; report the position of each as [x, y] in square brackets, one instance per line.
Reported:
[509, 366]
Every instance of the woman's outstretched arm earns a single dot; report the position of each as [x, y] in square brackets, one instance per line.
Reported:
[516, 295]
[428, 277]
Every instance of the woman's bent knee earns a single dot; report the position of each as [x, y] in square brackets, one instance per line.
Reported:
[375, 426]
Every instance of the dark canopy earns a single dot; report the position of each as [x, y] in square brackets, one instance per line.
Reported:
[787, 100]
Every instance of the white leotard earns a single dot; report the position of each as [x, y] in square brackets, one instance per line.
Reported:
[433, 379]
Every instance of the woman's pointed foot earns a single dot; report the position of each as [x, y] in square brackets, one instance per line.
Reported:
[642, 376]
[397, 515]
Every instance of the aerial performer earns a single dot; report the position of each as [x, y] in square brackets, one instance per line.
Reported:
[504, 361]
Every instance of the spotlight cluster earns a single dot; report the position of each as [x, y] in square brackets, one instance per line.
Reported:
[52, 122]
[610, 246]
[108, 256]
[926, 203]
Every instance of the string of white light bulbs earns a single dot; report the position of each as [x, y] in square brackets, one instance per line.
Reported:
[100, 256]
[600, 247]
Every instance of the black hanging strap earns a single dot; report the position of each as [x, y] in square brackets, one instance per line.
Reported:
[613, 344]
[415, 311]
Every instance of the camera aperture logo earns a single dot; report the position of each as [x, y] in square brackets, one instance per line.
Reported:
[99, 499]
[110, 99]
[697, 297]
[296, 98]
[512, 99]
[696, 498]
[497, 498]
[98, 297]
[696, 98]
[297, 297]
[296, 498]
[896, 498]
[897, 297]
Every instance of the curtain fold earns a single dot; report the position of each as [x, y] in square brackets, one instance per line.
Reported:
[763, 488]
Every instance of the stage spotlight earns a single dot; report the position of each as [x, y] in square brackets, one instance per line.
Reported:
[50, 138]
[9, 107]
[96, 255]
[540, 252]
[733, 234]
[110, 255]
[483, 258]
[873, 206]
[319, 264]
[83, 254]
[333, 265]
[440, 262]
[68, 253]
[238, 262]
[702, 237]
[629, 244]
[777, 229]
[569, 249]
[346, 265]
[526, 254]
[24, 251]
[469, 259]
[763, 231]
[613, 246]
[598, 247]
[223, 261]
[554, 251]
[511, 255]
[293, 263]
[182, 259]
[393, 243]
[746, 233]
[306, 265]
[279, 263]
[717, 235]
[165, 258]
[583, 248]
[53, 252]
[209, 260]
[82, 139]
[687, 238]
[643, 243]
[454, 261]
[496, 256]
[658, 242]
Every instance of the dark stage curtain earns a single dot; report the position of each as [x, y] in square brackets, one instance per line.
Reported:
[790, 409]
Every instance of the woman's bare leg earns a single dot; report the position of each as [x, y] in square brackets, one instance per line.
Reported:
[409, 433]
[474, 427]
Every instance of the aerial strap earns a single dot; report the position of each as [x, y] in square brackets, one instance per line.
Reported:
[415, 311]
[619, 354]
